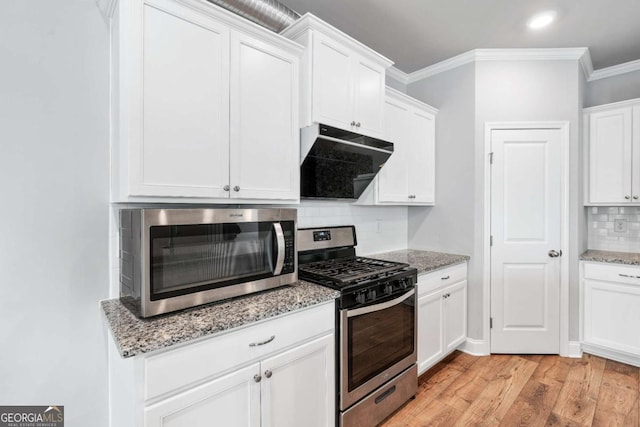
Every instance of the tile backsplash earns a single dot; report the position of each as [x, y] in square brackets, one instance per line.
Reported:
[378, 228]
[614, 228]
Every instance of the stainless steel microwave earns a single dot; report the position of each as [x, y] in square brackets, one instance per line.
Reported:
[172, 259]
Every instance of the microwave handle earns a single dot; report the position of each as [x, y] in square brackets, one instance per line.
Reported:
[277, 228]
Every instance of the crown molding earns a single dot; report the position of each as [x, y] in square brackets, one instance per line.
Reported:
[440, 67]
[615, 70]
[398, 75]
[107, 7]
[552, 54]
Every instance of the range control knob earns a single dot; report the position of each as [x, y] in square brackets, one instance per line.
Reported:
[371, 295]
[403, 283]
[361, 298]
[388, 288]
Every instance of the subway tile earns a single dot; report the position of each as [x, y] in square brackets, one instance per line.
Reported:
[612, 210]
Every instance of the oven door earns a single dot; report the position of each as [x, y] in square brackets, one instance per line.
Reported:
[378, 342]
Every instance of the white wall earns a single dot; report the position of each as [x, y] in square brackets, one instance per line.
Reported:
[613, 89]
[395, 84]
[378, 228]
[449, 225]
[54, 166]
[468, 97]
[536, 91]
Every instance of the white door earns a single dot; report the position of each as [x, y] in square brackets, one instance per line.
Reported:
[422, 162]
[369, 83]
[455, 315]
[525, 227]
[264, 121]
[393, 177]
[298, 386]
[610, 154]
[184, 146]
[332, 92]
[230, 401]
[430, 329]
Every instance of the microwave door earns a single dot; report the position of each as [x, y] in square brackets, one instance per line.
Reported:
[277, 228]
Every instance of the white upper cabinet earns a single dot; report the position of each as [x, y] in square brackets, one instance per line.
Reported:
[613, 135]
[408, 177]
[205, 106]
[343, 81]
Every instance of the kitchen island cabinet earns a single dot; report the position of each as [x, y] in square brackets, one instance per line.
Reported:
[204, 106]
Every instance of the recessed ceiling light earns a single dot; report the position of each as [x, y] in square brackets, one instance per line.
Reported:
[541, 20]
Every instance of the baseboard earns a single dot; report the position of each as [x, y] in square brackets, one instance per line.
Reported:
[475, 347]
[618, 356]
[574, 349]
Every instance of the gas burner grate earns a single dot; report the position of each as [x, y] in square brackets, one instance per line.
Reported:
[350, 270]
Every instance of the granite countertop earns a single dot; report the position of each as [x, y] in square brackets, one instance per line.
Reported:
[630, 258]
[424, 261]
[135, 336]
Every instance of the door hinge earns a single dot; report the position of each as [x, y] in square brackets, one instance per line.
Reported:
[490, 240]
[490, 322]
[491, 157]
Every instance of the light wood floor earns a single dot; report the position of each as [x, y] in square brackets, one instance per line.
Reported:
[509, 390]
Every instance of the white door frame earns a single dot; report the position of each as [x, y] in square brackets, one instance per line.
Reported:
[563, 127]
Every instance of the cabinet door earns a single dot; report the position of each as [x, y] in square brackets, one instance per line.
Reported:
[298, 386]
[455, 315]
[369, 97]
[610, 156]
[611, 315]
[183, 144]
[393, 177]
[430, 329]
[264, 121]
[332, 93]
[230, 401]
[421, 164]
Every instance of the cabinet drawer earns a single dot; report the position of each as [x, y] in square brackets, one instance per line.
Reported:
[612, 273]
[436, 279]
[195, 362]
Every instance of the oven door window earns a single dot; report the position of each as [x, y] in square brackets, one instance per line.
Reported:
[379, 340]
[192, 258]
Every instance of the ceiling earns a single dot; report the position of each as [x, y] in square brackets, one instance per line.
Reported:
[418, 33]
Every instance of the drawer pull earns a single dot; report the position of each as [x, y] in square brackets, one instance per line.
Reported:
[626, 275]
[445, 277]
[256, 344]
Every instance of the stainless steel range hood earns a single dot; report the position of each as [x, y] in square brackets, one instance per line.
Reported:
[338, 164]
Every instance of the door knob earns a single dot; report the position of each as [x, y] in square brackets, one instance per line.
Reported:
[358, 124]
[226, 188]
[627, 197]
[353, 123]
[554, 254]
[268, 373]
[236, 188]
[635, 197]
[257, 378]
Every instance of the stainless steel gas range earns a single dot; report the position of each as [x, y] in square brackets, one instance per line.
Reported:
[376, 320]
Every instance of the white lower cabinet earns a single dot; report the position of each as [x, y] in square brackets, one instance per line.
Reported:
[611, 311]
[442, 314]
[285, 379]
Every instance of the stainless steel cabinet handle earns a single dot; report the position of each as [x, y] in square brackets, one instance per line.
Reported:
[554, 254]
[236, 188]
[268, 373]
[256, 344]
[626, 275]
[627, 197]
[445, 277]
[226, 188]
[257, 378]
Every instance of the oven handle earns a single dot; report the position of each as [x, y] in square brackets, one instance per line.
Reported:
[277, 228]
[381, 306]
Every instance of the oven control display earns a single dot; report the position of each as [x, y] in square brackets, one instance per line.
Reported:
[322, 235]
